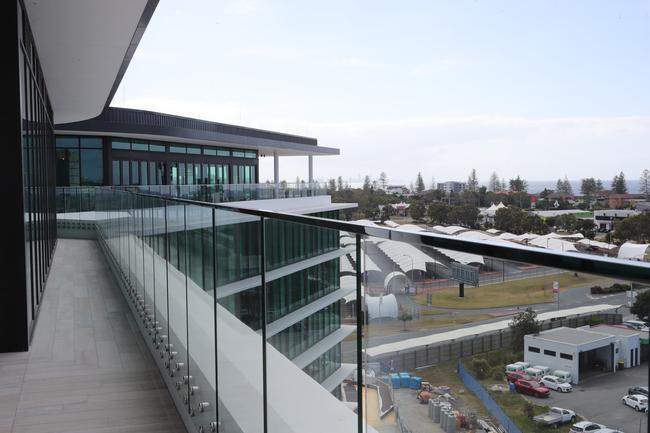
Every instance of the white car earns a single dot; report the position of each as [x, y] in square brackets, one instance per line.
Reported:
[554, 383]
[607, 430]
[585, 427]
[636, 401]
[636, 324]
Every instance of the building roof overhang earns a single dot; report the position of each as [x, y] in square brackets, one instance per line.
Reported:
[150, 125]
[84, 48]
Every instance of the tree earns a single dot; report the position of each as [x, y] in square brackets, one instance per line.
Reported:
[383, 180]
[641, 306]
[518, 185]
[417, 210]
[599, 186]
[366, 183]
[636, 228]
[559, 186]
[494, 184]
[619, 186]
[419, 183]
[386, 213]
[522, 324]
[331, 186]
[645, 183]
[568, 189]
[404, 316]
[339, 184]
[439, 213]
[472, 181]
[465, 215]
[588, 188]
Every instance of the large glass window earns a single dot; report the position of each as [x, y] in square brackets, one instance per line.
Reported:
[175, 148]
[117, 179]
[143, 147]
[92, 167]
[90, 142]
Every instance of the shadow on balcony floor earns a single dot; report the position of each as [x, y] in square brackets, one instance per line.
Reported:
[88, 368]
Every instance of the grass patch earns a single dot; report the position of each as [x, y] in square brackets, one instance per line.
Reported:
[518, 408]
[535, 290]
[432, 312]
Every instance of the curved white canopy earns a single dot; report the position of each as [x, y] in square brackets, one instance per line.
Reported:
[632, 251]
[553, 244]
[382, 306]
[406, 256]
[394, 280]
[597, 244]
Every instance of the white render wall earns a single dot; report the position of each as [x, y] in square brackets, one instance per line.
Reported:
[554, 363]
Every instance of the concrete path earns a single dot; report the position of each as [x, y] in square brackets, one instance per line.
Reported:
[88, 369]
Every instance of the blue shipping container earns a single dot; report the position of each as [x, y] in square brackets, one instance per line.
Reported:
[394, 380]
[416, 381]
[405, 380]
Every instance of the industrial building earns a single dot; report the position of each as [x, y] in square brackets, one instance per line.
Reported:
[583, 350]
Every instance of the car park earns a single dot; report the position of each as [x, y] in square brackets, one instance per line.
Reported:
[636, 401]
[515, 376]
[554, 383]
[532, 388]
[585, 427]
[640, 390]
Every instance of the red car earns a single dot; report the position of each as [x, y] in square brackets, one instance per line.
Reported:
[531, 387]
[515, 376]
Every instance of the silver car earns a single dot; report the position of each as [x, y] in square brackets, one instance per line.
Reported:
[555, 383]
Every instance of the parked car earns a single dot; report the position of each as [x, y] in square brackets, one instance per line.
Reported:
[514, 368]
[640, 390]
[531, 387]
[515, 376]
[545, 370]
[554, 383]
[585, 426]
[535, 373]
[636, 324]
[607, 430]
[636, 401]
[556, 416]
[523, 364]
[563, 375]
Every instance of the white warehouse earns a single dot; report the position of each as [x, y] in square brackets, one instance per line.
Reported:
[581, 350]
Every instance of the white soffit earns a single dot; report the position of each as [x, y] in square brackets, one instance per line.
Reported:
[82, 46]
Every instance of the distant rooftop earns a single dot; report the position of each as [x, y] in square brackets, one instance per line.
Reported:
[571, 335]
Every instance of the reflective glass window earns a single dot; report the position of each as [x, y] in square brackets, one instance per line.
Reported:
[125, 173]
[144, 147]
[90, 142]
[67, 142]
[238, 154]
[194, 150]
[116, 173]
[223, 152]
[210, 151]
[156, 147]
[92, 167]
[135, 177]
[174, 148]
[144, 177]
[120, 145]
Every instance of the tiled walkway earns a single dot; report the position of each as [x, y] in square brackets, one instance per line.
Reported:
[88, 369]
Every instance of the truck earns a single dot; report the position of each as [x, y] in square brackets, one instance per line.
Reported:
[555, 416]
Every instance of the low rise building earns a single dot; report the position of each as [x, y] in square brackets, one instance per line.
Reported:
[583, 350]
[604, 219]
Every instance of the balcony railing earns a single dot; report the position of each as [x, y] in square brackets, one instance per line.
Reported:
[80, 198]
[204, 280]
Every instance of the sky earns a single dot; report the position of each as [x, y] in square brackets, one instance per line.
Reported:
[542, 89]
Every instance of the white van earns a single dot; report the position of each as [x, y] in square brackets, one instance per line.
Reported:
[545, 370]
[523, 364]
[514, 368]
[563, 376]
[533, 372]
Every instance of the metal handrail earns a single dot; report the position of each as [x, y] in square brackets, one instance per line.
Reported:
[570, 261]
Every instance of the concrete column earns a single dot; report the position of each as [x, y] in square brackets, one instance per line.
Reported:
[276, 174]
[311, 168]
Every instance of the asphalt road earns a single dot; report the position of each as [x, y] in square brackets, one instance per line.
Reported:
[598, 399]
